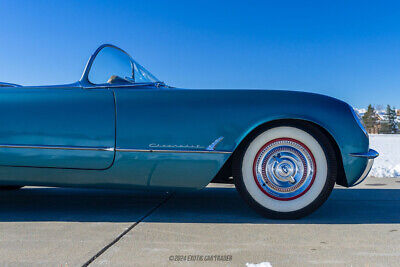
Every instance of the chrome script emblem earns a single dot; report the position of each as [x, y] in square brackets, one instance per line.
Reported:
[211, 147]
[215, 143]
[176, 146]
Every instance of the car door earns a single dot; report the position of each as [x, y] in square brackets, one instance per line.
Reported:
[59, 127]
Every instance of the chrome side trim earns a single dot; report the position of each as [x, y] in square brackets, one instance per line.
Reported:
[59, 147]
[171, 151]
[112, 149]
[371, 154]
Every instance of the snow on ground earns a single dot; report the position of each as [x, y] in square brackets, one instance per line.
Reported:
[388, 162]
[262, 264]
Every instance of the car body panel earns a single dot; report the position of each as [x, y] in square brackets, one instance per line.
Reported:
[131, 170]
[61, 127]
[198, 117]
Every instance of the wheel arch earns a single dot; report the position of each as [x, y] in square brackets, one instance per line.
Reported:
[223, 176]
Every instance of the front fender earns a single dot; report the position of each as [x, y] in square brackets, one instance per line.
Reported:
[333, 115]
[197, 118]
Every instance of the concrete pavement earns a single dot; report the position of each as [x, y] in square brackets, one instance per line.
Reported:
[49, 226]
[65, 227]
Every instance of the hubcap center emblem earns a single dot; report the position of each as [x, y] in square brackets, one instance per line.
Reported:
[284, 169]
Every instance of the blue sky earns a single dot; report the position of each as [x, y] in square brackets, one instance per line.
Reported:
[346, 49]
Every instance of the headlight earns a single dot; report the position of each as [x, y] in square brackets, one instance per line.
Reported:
[359, 120]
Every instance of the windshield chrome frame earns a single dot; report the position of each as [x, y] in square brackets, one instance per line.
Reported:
[3, 84]
[85, 83]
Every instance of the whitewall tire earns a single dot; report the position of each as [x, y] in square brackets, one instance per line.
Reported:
[286, 171]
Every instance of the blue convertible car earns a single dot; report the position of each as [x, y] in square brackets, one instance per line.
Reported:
[120, 127]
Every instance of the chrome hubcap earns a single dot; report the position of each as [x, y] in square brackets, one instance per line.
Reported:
[284, 169]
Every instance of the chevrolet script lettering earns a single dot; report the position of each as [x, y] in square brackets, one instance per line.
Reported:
[176, 146]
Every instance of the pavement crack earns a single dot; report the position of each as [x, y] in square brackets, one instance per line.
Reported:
[104, 249]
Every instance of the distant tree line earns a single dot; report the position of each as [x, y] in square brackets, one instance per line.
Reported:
[386, 124]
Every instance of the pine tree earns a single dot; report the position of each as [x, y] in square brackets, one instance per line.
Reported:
[389, 126]
[385, 124]
[392, 119]
[370, 118]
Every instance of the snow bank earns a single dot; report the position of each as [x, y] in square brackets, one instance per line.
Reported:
[388, 162]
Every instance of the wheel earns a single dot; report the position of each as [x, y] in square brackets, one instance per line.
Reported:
[10, 187]
[287, 171]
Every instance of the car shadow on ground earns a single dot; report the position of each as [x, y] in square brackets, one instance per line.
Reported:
[210, 205]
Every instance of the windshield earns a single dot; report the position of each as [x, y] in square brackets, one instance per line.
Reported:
[114, 66]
